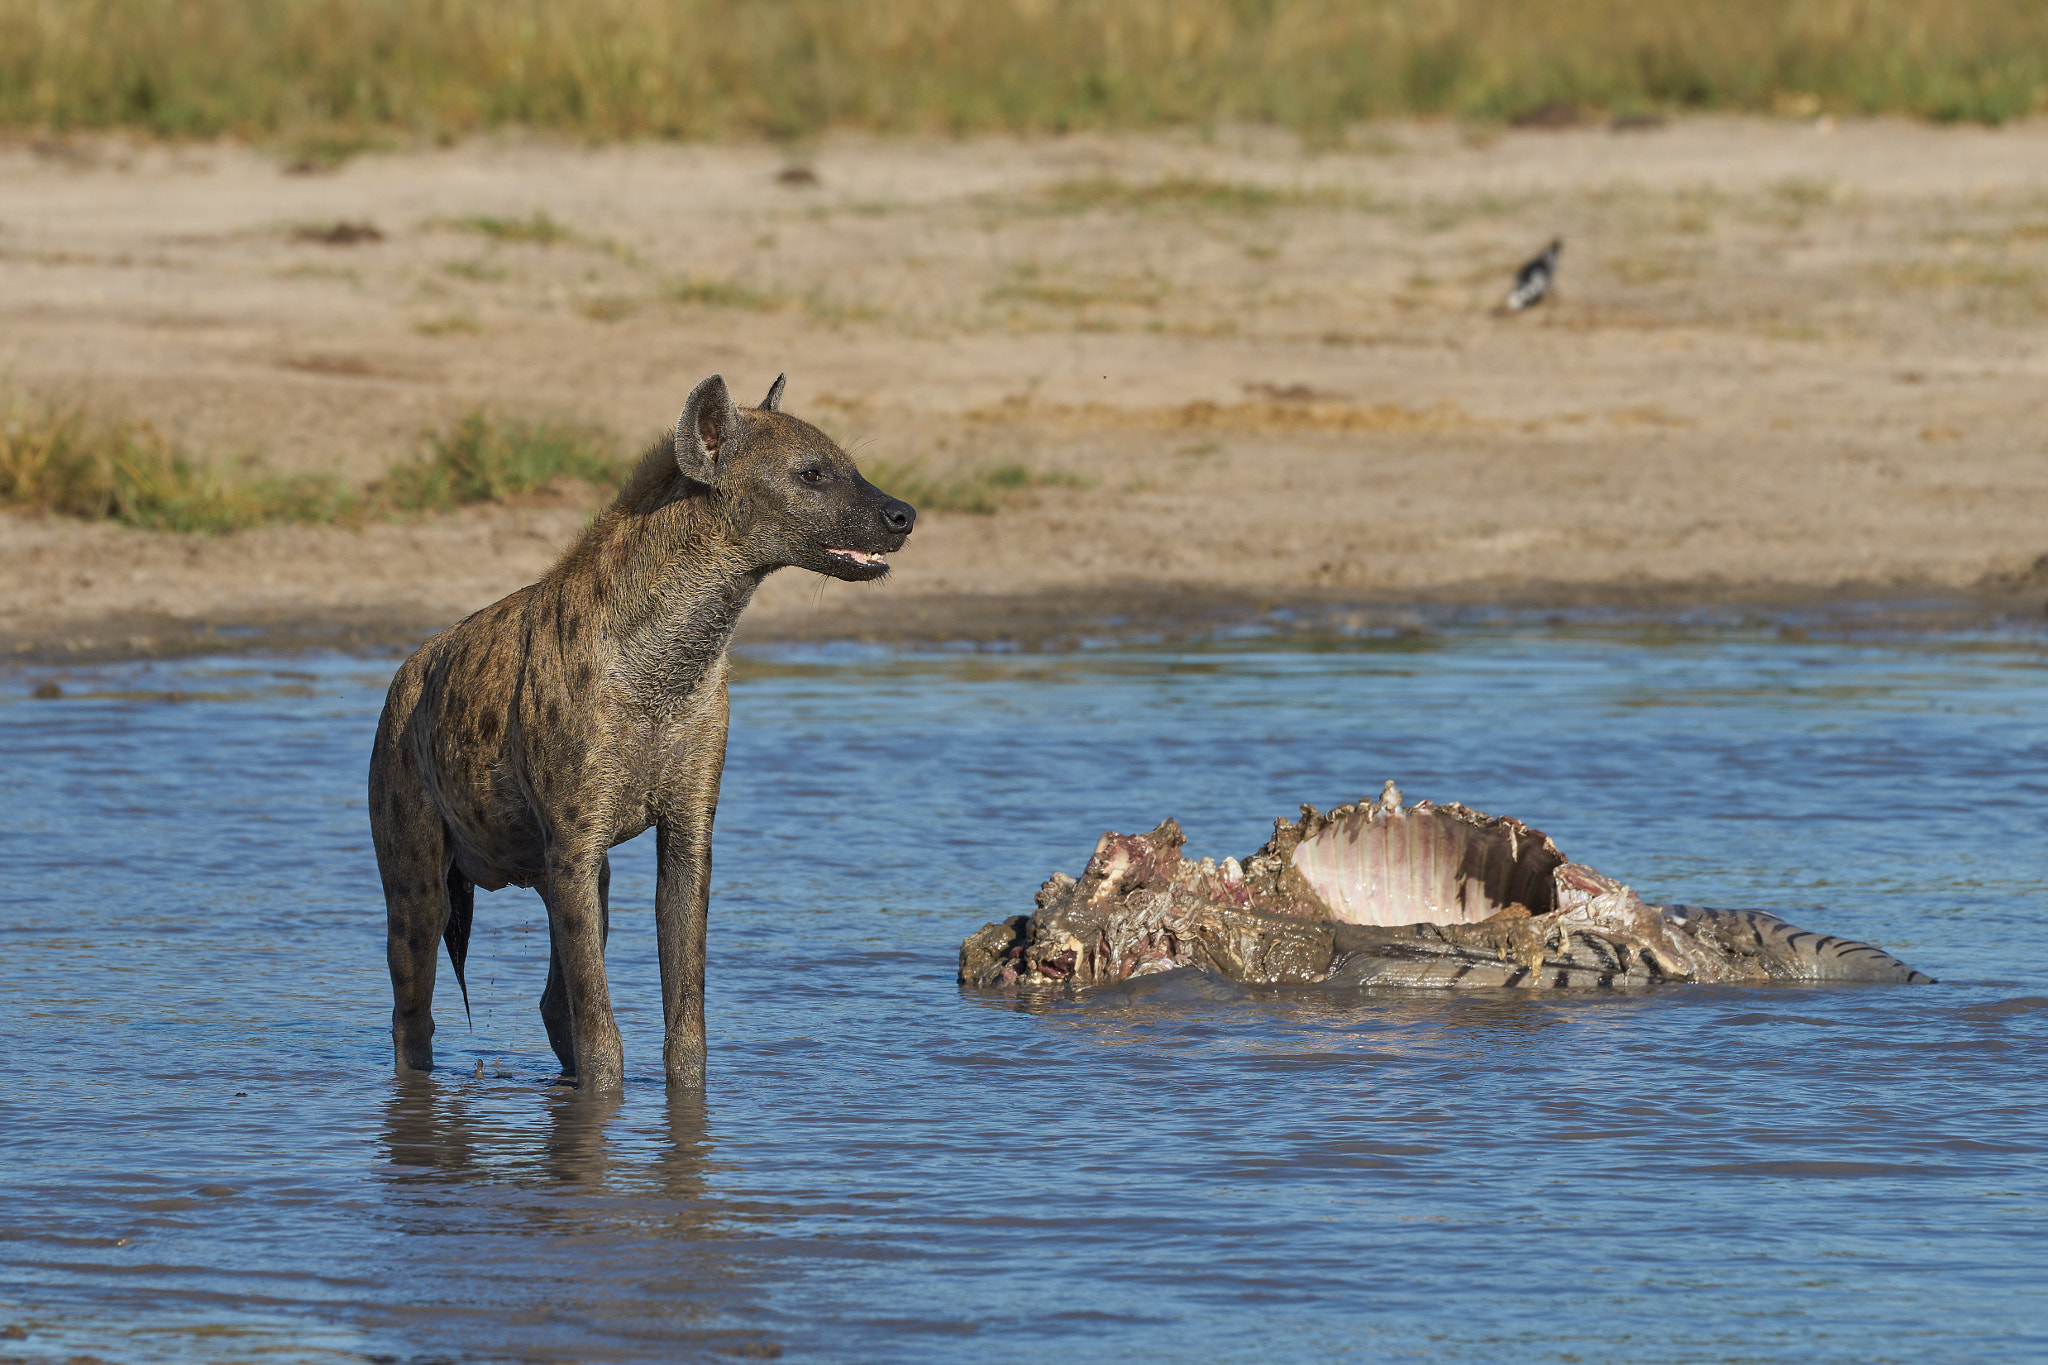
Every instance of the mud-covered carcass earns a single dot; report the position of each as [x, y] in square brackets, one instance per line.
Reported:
[1382, 894]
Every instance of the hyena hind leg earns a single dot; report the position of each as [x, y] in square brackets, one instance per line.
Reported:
[414, 860]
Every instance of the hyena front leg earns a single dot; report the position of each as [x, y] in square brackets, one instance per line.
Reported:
[554, 997]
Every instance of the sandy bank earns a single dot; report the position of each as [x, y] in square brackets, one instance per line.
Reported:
[1788, 364]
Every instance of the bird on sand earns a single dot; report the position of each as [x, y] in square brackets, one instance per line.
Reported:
[1533, 281]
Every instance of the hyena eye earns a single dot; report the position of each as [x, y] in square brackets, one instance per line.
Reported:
[812, 476]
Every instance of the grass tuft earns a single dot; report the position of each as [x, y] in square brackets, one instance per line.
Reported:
[1181, 193]
[61, 458]
[978, 492]
[479, 272]
[64, 459]
[537, 228]
[449, 325]
[482, 458]
[722, 294]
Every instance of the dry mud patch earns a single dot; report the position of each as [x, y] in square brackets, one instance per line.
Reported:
[1787, 361]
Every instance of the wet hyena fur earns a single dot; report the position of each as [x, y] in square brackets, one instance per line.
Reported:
[517, 747]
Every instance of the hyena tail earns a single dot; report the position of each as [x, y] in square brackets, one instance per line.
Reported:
[461, 908]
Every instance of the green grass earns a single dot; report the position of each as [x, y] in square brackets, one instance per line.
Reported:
[480, 272]
[979, 492]
[326, 77]
[537, 227]
[722, 294]
[1180, 193]
[482, 458]
[1028, 286]
[63, 458]
[449, 325]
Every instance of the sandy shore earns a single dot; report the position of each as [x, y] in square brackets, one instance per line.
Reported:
[1790, 363]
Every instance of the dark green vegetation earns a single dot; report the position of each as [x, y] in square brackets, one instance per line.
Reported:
[65, 458]
[479, 458]
[332, 76]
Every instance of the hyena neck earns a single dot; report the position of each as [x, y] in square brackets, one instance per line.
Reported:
[679, 647]
[678, 585]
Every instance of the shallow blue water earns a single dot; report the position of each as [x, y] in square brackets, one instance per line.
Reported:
[204, 1156]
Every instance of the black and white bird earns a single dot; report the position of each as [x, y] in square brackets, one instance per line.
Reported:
[1533, 281]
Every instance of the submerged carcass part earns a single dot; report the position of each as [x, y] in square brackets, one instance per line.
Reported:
[1377, 894]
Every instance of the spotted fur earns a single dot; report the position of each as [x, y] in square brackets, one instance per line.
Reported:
[517, 747]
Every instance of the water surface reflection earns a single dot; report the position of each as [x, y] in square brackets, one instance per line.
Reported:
[540, 1212]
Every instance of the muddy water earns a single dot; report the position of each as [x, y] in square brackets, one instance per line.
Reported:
[203, 1155]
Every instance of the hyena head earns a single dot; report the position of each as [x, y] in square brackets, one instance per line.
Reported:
[786, 489]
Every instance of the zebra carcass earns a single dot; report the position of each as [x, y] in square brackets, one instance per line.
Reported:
[1381, 894]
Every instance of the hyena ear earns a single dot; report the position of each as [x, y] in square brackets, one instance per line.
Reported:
[773, 402]
[708, 432]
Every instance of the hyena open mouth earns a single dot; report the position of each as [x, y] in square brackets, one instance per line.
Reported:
[1381, 894]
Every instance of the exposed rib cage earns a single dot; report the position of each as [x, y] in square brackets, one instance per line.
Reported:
[1375, 894]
